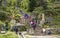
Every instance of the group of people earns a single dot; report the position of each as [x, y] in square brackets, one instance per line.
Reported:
[45, 30]
[33, 25]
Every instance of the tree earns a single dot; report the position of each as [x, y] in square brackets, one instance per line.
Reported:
[10, 9]
[24, 5]
[3, 16]
[32, 5]
[12, 2]
[0, 2]
[54, 5]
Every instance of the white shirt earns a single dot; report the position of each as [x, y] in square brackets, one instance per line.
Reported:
[44, 30]
[31, 22]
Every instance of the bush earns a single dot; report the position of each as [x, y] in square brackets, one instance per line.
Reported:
[8, 35]
[3, 16]
[1, 23]
[2, 26]
[22, 28]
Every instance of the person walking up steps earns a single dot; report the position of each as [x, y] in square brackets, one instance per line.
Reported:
[43, 31]
[33, 25]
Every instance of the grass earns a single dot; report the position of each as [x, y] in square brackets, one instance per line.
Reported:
[8, 35]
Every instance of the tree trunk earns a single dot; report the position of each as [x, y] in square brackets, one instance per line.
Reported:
[43, 18]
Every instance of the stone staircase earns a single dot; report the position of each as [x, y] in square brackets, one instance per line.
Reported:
[37, 31]
[24, 35]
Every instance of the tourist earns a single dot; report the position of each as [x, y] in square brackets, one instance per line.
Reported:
[49, 32]
[33, 25]
[6, 25]
[43, 31]
[16, 29]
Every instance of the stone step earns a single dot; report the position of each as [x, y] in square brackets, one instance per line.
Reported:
[43, 37]
[37, 31]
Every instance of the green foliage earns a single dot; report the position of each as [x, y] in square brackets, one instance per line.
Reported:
[24, 5]
[17, 17]
[32, 5]
[22, 28]
[38, 10]
[3, 16]
[47, 7]
[12, 2]
[8, 35]
[28, 5]
[1, 22]
[2, 25]
[0, 2]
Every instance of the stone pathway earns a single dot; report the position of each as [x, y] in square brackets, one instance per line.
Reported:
[43, 37]
[30, 36]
